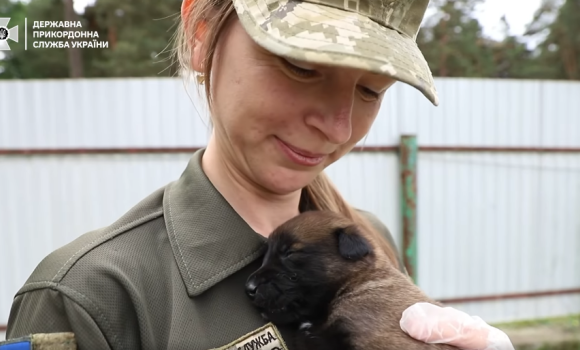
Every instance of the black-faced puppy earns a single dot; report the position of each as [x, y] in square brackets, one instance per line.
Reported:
[324, 275]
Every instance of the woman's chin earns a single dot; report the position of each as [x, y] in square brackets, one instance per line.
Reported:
[285, 181]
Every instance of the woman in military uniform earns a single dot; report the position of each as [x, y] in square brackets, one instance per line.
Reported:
[292, 86]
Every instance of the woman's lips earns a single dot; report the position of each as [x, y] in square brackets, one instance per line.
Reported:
[299, 156]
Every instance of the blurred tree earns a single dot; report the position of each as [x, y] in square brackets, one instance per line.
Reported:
[33, 63]
[452, 41]
[75, 55]
[558, 55]
[454, 45]
[139, 34]
[140, 41]
[511, 57]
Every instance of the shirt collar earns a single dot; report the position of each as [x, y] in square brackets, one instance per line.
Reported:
[210, 241]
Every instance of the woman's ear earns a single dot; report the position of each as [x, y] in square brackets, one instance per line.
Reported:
[197, 41]
[198, 52]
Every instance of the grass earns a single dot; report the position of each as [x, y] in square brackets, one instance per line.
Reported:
[561, 346]
[571, 321]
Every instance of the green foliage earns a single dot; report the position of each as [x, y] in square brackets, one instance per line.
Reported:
[560, 52]
[569, 321]
[140, 36]
[454, 45]
[571, 345]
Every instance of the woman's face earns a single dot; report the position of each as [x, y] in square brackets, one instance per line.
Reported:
[280, 122]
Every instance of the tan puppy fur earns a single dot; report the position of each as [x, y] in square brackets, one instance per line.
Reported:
[325, 274]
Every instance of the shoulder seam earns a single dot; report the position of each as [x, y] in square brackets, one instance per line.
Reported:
[106, 237]
[74, 295]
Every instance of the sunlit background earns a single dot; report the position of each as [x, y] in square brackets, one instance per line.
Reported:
[85, 134]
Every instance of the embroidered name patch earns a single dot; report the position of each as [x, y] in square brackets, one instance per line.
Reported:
[266, 337]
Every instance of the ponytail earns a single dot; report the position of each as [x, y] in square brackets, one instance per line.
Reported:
[322, 195]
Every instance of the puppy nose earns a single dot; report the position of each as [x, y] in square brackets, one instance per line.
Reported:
[251, 289]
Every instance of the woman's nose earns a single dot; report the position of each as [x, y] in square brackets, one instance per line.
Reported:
[334, 119]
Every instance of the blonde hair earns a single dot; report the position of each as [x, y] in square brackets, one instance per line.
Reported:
[210, 17]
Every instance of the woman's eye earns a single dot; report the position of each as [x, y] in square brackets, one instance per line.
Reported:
[299, 71]
[369, 94]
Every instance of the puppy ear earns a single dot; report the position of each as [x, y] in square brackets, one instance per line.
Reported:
[351, 244]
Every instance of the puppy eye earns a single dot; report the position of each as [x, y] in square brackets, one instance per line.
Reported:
[289, 253]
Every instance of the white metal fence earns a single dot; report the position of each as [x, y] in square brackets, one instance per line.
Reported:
[490, 223]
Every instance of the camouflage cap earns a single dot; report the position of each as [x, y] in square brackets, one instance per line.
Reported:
[375, 35]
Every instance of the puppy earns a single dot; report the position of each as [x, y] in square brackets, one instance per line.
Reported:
[324, 275]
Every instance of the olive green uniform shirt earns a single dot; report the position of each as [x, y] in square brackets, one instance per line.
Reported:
[169, 274]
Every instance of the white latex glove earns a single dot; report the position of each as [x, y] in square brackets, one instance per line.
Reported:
[433, 324]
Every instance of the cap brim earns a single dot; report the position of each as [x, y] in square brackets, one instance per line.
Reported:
[327, 35]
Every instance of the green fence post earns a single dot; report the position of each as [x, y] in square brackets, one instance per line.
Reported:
[408, 175]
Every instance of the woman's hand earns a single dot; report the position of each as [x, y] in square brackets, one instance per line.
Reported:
[433, 324]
